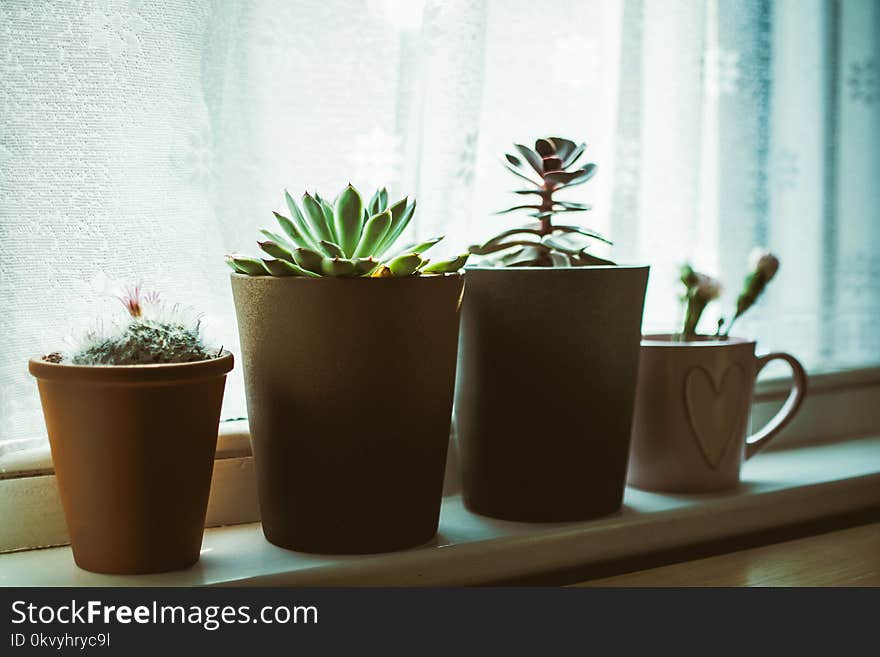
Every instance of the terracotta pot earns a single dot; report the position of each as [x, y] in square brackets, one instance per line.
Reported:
[349, 390]
[546, 381]
[692, 412]
[133, 448]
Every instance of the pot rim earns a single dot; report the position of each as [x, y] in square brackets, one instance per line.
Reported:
[316, 279]
[153, 372]
[536, 269]
[667, 340]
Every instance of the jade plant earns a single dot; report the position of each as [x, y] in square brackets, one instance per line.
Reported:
[347, 238]
[701, 289]
[151, 332]
[543, 243]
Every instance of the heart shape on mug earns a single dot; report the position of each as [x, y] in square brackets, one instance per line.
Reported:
[715, 410]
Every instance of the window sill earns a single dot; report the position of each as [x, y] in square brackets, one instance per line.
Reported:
[839, 405]
[780, 487]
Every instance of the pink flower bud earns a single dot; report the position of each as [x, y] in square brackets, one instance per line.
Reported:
[707, 288]
[764, 262]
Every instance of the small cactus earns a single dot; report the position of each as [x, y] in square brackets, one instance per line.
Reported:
[151, 333]
[345, 240]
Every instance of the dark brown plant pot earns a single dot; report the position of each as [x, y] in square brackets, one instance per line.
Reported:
[133, 448]
[349, 389]
[546, 383]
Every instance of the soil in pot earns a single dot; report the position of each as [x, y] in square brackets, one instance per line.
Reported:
[133, 449]
[349, 388]
[544, 400]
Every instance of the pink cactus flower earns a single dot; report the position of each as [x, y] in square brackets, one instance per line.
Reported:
[131, 299]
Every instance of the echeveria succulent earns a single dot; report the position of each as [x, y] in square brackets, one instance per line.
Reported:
[348, 238]
[555, 162]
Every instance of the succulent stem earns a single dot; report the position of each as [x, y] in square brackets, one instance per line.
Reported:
[547, 190]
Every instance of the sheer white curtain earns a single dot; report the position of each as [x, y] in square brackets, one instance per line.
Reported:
[144, 139]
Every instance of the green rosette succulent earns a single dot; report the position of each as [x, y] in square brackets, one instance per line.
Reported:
[345, 239]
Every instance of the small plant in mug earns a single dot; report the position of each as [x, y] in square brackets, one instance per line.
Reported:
[150, 332]
[344, 239]
[701, 289]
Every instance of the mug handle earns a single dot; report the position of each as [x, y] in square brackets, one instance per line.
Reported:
[759, 439]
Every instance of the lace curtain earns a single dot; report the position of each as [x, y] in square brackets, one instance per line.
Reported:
[144, 139]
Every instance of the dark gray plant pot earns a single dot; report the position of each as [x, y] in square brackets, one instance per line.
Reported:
[349, 388]
[548, 363]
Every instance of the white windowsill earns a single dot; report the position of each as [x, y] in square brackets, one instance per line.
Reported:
[780, 487]
[838, 406]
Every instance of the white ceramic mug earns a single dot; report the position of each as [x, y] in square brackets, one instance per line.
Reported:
[693, 403]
